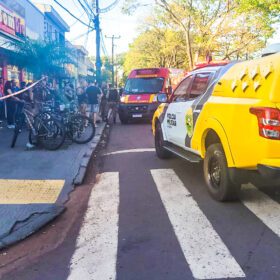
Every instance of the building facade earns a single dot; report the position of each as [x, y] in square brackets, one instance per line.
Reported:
[54, 25]
[18, 19]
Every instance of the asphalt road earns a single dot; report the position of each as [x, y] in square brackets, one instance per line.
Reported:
[153, 219]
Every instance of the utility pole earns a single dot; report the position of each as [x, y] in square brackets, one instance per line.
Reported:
[98, 57]
[113, 38]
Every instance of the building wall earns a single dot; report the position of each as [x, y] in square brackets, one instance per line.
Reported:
[34, 19]
[52, 32]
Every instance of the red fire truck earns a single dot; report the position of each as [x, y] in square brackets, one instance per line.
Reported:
[139, 99]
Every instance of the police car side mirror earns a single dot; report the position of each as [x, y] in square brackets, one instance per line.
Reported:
[162, 98]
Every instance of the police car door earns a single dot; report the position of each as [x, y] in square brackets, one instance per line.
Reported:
[174, 111]
[187, 119]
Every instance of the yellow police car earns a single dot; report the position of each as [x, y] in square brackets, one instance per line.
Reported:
[229, 117]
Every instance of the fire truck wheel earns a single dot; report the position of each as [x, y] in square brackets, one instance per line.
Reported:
[123, 120]
[216, 173]
[160, 151]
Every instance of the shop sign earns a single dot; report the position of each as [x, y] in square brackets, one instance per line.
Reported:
[11, 23]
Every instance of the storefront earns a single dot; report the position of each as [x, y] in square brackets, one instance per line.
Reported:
[12, 31]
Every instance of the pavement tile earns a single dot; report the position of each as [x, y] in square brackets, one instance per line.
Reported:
[30, 191]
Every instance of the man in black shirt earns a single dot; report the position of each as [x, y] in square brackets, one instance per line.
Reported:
[94, 94]
[113, 101]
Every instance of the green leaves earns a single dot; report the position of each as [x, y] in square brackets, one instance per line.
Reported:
[43, 58]
[228, 29]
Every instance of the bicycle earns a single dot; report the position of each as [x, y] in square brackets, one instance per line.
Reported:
[112, 112]
[43, 129]
[79, 128]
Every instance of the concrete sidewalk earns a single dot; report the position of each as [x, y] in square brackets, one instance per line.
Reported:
[34, 184]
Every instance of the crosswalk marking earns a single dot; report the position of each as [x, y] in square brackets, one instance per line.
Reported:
[96, 253]
[265, 208]
[131, 151]
[205, 252]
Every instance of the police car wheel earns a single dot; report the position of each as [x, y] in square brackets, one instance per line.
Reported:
[160, 151]
[216, 174]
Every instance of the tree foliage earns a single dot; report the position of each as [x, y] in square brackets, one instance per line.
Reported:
[43, 58]
[224, 28]
[156, 47]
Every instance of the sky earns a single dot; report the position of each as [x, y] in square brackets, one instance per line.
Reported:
[112, 23]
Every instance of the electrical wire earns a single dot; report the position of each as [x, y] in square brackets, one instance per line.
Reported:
[77, 6]
[88, 6]
[88, 12]
[76, 21]
[81, 35]
[86, 39]
[110, 7]
[103, 45]
[65, 9]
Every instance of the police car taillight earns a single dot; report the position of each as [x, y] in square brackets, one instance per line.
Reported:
[268, 121]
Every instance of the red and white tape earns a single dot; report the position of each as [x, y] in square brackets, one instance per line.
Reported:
[22, 90]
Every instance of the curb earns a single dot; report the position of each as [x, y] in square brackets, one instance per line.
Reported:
[91, 147]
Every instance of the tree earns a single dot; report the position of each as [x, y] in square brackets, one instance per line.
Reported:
[43, 58]
[157, 46]
[230, 28]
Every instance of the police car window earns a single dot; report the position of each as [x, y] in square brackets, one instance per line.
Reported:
[181, 93]
[200, 84]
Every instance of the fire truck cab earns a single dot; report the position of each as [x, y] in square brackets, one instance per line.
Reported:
[139, 99]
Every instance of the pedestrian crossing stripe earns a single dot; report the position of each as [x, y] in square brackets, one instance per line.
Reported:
[265, 208]
[205, 252]
[30, 191]
[96, 247]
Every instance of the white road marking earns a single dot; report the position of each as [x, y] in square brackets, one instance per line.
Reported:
[205, 252]
[265, 208]
[96, 254]
[131, 151]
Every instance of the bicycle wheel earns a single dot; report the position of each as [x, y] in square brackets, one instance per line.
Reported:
[82, 129]
[51, 134]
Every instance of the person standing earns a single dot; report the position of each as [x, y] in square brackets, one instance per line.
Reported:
[2, 105]
[113, 101]
[82, 100]
[103, 110]
[11, 105]
[94, 94]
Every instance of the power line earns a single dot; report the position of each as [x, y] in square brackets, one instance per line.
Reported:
[110, 7]
[81, 35]
[65, 9]
[88, 6]
[76, 5]
[113, 38]
[86, 39]
[76, 21]
[88, 12]
[105, 52]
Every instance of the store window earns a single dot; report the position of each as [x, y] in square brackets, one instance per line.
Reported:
[13, 73]
[28, 77]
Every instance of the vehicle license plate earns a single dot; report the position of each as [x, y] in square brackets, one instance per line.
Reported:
[137, 116]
